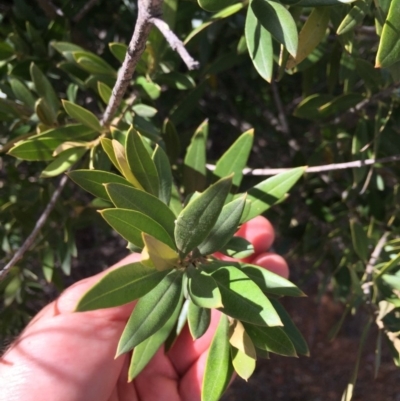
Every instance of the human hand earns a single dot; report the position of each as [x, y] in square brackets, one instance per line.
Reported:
[67, 356]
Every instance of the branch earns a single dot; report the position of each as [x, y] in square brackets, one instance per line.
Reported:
[84, 10]
[317, 169]
[49, 9]
[38, 226]
[175, 43]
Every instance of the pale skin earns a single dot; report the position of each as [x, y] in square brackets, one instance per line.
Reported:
[68, 356]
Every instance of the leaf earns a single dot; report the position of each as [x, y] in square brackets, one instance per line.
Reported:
[163, 167]
[160, 254]
[276, 19]
[118, 50]
[215, 5]
[226, 225]
[122, 162]
[198, 319]
[121, 286]
[271, 339]
[234, 160]
[272, 190]
[309, 107]
[259, 44]
[130, 224]
[194, 164]
[22, 93]
[238, 248]
[218, 370]
[310, 36]
[241, 297]
[389, 45]
[144, 110]
[45, 113]
[171, 140]
[143, 352]
[82, 115]
[140, 162]
[108, 148]
[291, 330]
[44, 88]
[93, 181]
[196, 220]
[242, 363]
[239, 339]
[105, 92]
[203, 290]
[360, 240]
[63, 162]
[151, 312]
[93, 63]
[6, 51]
[270, 282]
[126, 197]
[357, 13]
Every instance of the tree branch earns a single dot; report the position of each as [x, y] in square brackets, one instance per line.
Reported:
[317, 169]
[175, 43]
[38, 226]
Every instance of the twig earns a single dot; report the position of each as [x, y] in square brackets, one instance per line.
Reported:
[38, 226]
[175, 43]
[317, 169]
[50, 10]
[84, 10]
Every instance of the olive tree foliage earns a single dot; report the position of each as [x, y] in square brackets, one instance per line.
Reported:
[159, 127]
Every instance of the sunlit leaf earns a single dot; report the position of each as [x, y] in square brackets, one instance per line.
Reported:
[239, 339]
[82, 115]
[238, 248]
[243, 364]
[63, 162]
[354, 17]
[160, 254]
[203, 290]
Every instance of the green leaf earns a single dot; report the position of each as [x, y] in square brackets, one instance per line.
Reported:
[226, 225]
[259, 44]
[144, 110]
[203, 289]
[196, 220]
[240, 340]
[271, 339]
[171, 139]
[271, 283]
[194, 164]
[93, 63]
[63, 162]
[160, 255]
[389, 45]
[107, 145]
[45, 113]
[6, 51]
[392, 280]
[360, 240]
[105, 92]
[130, 224]
[120, 286]
[150, 88]
[234, 160]
[127, 197]
[243, 364]
[198, 319]
[309, 108]
[82, 115]
[140, 162]
[238, 248]
[22, 93]
[241, 297]
[272, 190]
[163, 167]
[215, 5]
[93, 181]
[357, 13]
[177, 80]
[291, 330]
[44, 88]
[218, 369]
[143, 352]
[310, 36]
[152, 311]
[276, 19]
[118, 50]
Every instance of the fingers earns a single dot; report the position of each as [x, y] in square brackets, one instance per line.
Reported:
[272, 262]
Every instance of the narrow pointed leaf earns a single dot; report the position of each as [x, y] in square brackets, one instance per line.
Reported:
[63, 162]
[291, 330]
[241, 297]
[272, 190]
[45, 113]
[226, 225]
[239, 339]
[271, 339]
[198, 319]
[105, 92]
[259, 44]
[276, 19]
[126, 197]
[243, 364]
[143, 352]
[160, 254]
[360, 240]
[196, 220]
[163, 167]
[215, 5]
[271, 283]
[203, 289]
[238, 248]
[140, 162]
[22, 93]
[151, 312]
[107, 145]
[121, 286]
[82, 115]
[93, 181]
[357, 13]
[218, 369]
[130, 224]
